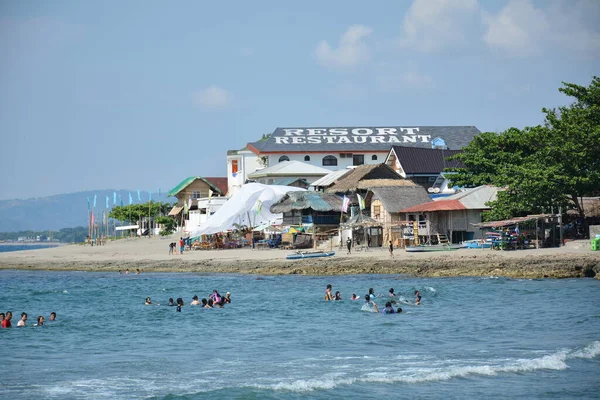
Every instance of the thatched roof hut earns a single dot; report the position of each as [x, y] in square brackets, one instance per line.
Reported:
[398, 198]
[590, 205]
[303, 200]
[364, 177]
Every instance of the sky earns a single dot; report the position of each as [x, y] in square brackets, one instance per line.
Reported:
[142, 94]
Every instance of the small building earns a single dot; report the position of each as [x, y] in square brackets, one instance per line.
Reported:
[386, 204]
[452, 217]
[241, 163]
[296, 170]
[191, 189]
[422, 165]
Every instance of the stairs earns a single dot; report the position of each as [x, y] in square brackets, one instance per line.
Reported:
[442, 239]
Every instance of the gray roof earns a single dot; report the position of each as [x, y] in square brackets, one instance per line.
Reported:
[330, 178]
[475, 198]
[290, 168]
[398, 198]
[302, 200]
[363, 139]
[425, 161]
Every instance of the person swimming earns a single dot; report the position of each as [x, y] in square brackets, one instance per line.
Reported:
[40, 321]
[391, 293]
[328, 295]
[355, 297]
[227, 298]
[337, 296]
[171, 302]
[148, 301]
[417, 298]
[388, 308]
[370, 305]
[179, 304]
[399, 310]
[372, 293]
[195, 301]
[205, 303]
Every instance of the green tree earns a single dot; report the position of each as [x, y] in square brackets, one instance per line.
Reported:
[168, 225]
[541, 167]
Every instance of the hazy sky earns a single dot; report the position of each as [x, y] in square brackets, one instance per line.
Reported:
[141, 94]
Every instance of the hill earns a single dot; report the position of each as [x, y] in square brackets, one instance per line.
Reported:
[62, 210]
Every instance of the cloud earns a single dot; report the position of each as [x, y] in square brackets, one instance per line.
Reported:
[211, 98]
[435, 25]
[351, 52]
[409, 80]
[521, 29]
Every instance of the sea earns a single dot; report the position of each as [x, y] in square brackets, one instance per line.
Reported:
[20, 247]
[471, 338]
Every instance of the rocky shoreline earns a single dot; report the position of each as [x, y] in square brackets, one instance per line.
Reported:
[568, 265]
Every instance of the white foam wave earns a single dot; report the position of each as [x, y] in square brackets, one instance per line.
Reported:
[430, 289]
[555, 361]
[309, 385]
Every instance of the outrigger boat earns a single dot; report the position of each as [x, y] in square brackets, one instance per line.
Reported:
[309, 254]
[423, 249]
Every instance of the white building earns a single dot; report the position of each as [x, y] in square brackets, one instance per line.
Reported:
[240, 163]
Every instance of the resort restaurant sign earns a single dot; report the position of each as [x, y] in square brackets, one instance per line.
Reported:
[392, 136]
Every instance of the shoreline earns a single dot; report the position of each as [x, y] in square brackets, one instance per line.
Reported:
[151, 255]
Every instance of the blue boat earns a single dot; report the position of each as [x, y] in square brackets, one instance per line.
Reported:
[309, 254]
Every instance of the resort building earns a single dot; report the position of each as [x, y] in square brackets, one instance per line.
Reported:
[338, 148]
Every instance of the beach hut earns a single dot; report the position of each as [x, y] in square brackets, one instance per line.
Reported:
[315, 211]
[451, 219]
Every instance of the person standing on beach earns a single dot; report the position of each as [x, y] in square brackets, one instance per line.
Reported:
[170, 248]
[391, 249]
[181, 246]
[349, 245]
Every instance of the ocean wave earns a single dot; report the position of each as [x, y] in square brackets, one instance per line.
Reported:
[415, 375]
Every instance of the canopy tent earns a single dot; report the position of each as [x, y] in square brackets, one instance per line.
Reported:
[250, 206]
[513, 221]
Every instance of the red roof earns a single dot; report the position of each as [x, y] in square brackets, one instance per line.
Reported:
[221, 183]
[441, 205]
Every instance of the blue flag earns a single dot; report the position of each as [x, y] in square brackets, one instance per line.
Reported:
[158, 192]
[149, 195]
[130, 198]
[95, 201]
[88, 201]
[139, 197]
[120, 201]
[114, 197]
[107, 202]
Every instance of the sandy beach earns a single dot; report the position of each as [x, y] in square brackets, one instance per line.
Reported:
[151, 255]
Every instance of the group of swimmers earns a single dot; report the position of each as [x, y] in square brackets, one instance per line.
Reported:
[137, 271]
[370, 297]
[215, 300]
[6, 319]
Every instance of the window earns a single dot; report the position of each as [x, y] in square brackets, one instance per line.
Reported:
[374, 157]
[196, 194]
[358, 159]
[270, 181]
[306, 158]
[377, 211]
[234, 166]
[345, 155]
[284, 158]
[329, 161]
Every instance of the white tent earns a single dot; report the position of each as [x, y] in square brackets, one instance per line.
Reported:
[249, 206]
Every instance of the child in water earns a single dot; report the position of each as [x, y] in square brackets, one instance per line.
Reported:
[337, 296]
[328, 295]
[417, 298]
[388, 308]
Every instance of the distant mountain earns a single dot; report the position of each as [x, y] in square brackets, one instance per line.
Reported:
[63, 210]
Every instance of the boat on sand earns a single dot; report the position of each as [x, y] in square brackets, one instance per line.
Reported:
[309, 254]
